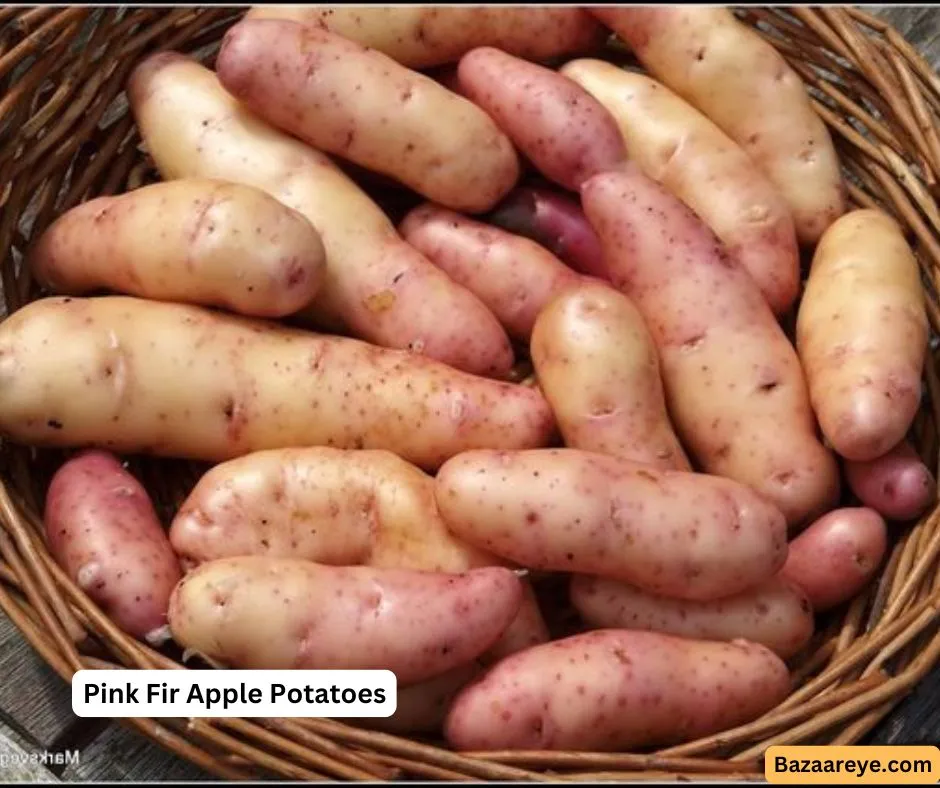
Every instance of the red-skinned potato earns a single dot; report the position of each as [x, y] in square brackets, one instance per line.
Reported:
[616, 690]
[897, 485]
[837, 556]
[102, 529]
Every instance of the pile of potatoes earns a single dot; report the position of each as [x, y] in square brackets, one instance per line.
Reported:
[383, 482]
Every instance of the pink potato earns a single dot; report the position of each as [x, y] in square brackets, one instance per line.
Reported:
[775, 613]
[563, 130]
[264, 613]
[616, 690]
[673, 533]
[897, 485]
[734, 384]
[837, 556]
[359, 104]
[101, 528]
[378, 288]
[513, 276]
[593, 335]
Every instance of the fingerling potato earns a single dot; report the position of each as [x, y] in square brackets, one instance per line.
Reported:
[897, 485]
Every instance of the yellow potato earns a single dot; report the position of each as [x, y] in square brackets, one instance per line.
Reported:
[861, 334]
[743, 84]
[594, 335]
[677, 146]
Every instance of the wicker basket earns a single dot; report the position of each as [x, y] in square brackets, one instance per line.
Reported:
[66, 136]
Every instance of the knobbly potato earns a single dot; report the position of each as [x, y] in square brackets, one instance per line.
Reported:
[195, 241]
[775, 613]
[560, 128]
[616, 690]
[363, 106]
[677, 146]
[744, 85]
[424, 36]
[837, 556]
[897, 485]
[101, 528]
[556, 221]
[734, 385]
[281, 614]
[595, 336]
[861, 332]
[142, 376]
[673, 533]
[512, 275]
[378, 288]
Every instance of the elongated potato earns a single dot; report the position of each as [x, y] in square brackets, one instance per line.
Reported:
[594, 335]
[424, 36]
[565, 132]
[378, 287]
[837, 556]
[734, 385]
[197, 241]
[679, 534]
[512, 275]
[616, 690]
[897, 485]
[744, 85]
[677, 146]
[861, 332]
[282, 614]
[776, 613]
[169, 379]
[101, 528]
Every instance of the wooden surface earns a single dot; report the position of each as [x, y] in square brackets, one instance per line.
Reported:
[35, 706]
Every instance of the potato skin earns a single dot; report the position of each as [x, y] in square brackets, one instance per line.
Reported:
[678, 534]
[594, 335]
[378, 288]
[775, 614]
[861, 332]
[837, 556]
[744, 414]
[367, 108]
[281, 614]
[424, 36]
[559, 127]
[513, 276]
[897, 485]
[102, 529]
[744, 85]
[614, 690]
[196, 241]
[142, 376]
[677, 146]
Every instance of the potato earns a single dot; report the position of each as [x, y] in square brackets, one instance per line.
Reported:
[837, 556]
[147, 377]
[594, 335]
[616, 690]
[678, 534]
[378, 288]
[744, 85]
[775, 613]
[280, 614]
[734, 385]
[101, 528]
[196, 241]
[897, 485]
[861, 333]
[559, 127]
[556, 221]
[512, 275]
[423, 36]
[677, 146]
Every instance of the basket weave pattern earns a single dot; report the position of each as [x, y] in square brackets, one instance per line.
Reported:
[66, 136]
